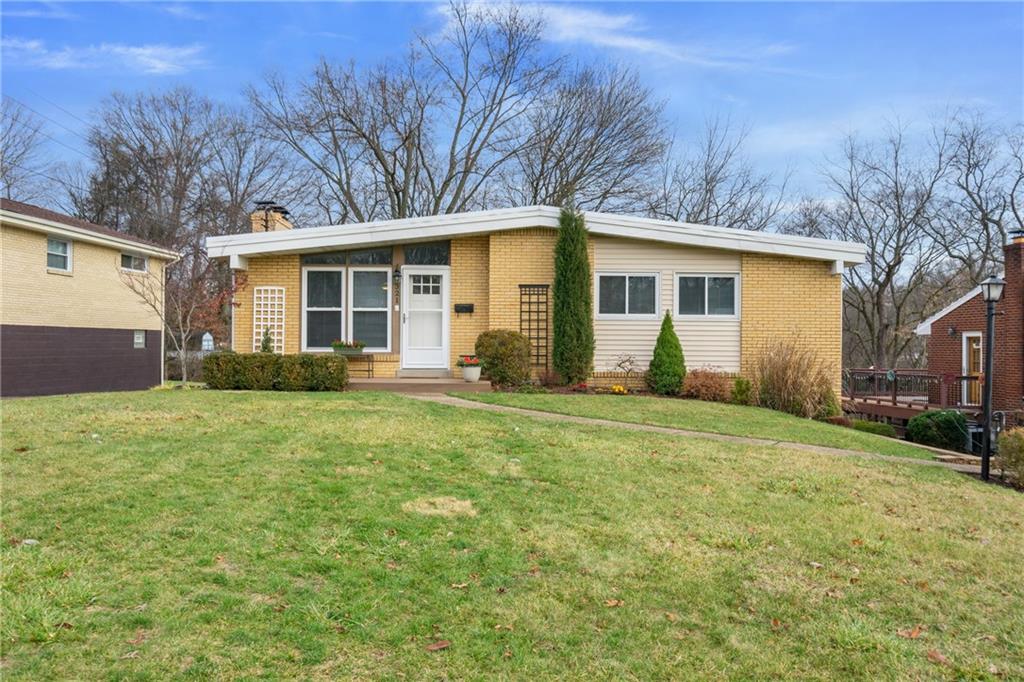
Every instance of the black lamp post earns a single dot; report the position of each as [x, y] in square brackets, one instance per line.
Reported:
[991, 292]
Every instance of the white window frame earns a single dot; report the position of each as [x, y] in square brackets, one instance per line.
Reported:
[145, 262]
[343, 310]
[706, 316]
[350, 300]
[656, 315]
[71, 249]
[135, 339]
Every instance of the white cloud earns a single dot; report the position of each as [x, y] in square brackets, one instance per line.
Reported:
[157, 59]
[42, 10]
[572, 24]
[182, 11]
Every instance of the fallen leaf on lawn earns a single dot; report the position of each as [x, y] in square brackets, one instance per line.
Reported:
[936, 657]
[500, 627]
[280, 607]
[64, 626]
[835, 594]
[534, 570]
[140, 637]
[613, 603]
[857, 542]
[438, 646]
[992, 669]
[502, 590]
[392, 565]
[672, 618]
[912, 633]
[816, 565]
[459, 586]
[922, 585]
[131, 654]
[507, 654]
[777, 624]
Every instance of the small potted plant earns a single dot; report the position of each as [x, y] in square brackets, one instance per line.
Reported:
[347, 347]
[470, 365]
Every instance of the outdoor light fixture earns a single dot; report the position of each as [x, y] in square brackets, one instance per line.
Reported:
[991, 291]
[396, 277]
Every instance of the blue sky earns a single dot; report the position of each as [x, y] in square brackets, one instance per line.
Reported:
[798, 75]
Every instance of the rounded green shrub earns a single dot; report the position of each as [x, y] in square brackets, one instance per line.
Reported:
[945, 429]
[667, 370]
[877, 428]
[505, 357]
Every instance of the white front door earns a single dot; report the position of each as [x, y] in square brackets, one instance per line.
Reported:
[425, 317]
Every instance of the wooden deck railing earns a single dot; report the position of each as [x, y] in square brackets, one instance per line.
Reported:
[913, 388]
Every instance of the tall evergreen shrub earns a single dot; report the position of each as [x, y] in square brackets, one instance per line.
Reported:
[573, 344]
[668, 368]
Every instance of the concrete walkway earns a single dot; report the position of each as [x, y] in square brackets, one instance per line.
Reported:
[739, 440]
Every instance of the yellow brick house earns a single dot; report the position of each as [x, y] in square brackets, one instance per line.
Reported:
[68, 321]
[418, 291]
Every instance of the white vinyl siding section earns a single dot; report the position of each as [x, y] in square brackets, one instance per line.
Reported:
[707, 341]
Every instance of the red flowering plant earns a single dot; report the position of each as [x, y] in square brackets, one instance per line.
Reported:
[468, 361]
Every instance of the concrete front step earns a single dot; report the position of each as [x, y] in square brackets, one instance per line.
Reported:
[419, 385]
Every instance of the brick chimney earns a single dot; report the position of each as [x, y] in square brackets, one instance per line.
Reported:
[269, 217]
[1008, 386]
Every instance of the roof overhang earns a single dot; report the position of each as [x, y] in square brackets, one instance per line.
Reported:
[51, 227]
[238, 247]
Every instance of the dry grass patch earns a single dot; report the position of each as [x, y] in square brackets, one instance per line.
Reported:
[440, 506]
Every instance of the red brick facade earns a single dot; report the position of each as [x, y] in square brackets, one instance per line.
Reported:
[945, 344]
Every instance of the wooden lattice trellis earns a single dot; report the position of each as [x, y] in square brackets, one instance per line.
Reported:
[268, 312]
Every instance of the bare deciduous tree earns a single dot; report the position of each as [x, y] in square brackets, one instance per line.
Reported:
[189, 300]
[422, 135]
[596, 138]
[984, 196]
[886, 194]
[174, 168]
[22, 163]
[710, 182]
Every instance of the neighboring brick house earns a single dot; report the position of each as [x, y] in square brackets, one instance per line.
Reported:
[956, 338]
[419, 291]
[68, 322]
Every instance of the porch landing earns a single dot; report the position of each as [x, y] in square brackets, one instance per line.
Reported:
[418, 385]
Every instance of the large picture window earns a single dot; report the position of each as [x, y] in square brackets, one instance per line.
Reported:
[323, 307]
[706, 295]
[627, 294]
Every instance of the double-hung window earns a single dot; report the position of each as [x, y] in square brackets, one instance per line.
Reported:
[627, 294]
[323, 309]
[712, 295]
[58, 254]
[370, 320]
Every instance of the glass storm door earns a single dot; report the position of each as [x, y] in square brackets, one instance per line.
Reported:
[972, 368]
[425, 317]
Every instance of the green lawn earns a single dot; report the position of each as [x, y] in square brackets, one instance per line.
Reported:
[186, 534]
[699, 415]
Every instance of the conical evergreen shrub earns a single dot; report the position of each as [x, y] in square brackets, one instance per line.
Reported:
[668, 368]
[573, 344]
